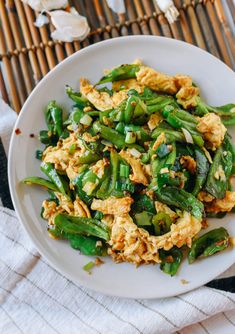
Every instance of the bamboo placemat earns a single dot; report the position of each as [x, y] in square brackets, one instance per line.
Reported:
[27, 53]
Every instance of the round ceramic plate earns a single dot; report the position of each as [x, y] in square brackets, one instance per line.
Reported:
[217, 83]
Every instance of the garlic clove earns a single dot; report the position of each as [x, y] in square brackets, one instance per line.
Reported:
[69, 26]
[41, 20]
[117, 6]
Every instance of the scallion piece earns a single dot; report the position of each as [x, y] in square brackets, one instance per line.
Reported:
[130, 138]
[124, 170]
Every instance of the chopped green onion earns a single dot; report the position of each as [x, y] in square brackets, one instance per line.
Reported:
[120, 127]
[124, 170]
[130, 138]
[86, 120]
[38, 154]
[88, 266]
[72, 148]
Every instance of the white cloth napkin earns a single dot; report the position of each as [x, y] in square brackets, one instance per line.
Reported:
[35, 298]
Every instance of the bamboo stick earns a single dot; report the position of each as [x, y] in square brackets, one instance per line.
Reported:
[231, 6]
[195, 25]
[3, 89]
[207, 31]
[58, 47]
[152, 22]
[14, 60]
[163, 22]
[36, 41]
[218, 34]
[92, 20]
[48, 49]
[9, 73]
[140, 15]
[122, 21]
[225, 25]
[110, 19]
[101, 18]
[19, 45]
[131, 14]
[28, 41]
[82, 10]
[184, 24]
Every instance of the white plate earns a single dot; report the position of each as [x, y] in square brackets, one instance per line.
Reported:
[217, 83]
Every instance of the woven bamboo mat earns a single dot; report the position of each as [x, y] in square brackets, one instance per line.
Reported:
[27, 53]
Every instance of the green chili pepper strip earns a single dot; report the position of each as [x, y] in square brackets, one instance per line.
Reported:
[162, 223]
[54, 118]
[51, 172]
[209, 243]
[180, 199]
[216, 185]
[87, 245]
[40, 182]
[171, 135]
[88, 158]
[171, 260]
[202, 170]
[122, 72]
[80, 225]
[109, 134]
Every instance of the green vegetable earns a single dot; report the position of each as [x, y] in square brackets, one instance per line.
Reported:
[76, 97]
[130, 138]
[219, 173]
[88, 266]
[143, 203]
[143, 219]
[124, 170]
[40, 182]
[54, 118]
[38, 154]
[109, 134]
[87, 245]
[201, 171]
[122, 72]
[180, 199]
[162, 223]
[88, 157]
[171, 135]
[171, 260]
[50, 171]
[80, 225]
[209, 243]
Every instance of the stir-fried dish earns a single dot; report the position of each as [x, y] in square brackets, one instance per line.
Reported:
[136, 167]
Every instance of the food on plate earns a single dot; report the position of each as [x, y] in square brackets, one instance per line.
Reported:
[135, 168]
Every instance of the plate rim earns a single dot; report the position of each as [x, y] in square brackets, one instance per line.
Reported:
[15, 199]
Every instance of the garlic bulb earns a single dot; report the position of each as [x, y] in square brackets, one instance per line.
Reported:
[69, 26]
[117, 6]
[42, 5]
[169, 9]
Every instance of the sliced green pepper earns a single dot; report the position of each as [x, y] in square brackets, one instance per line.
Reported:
[201, 171]
[40, 182]
[209, 243]
[122, 72]
[171, 260]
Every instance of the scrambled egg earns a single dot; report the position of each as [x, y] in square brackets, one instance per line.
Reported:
[212, 129]
[101, 100]
[187, 96]
[61, 156]
[182, 81]
[222, 205]
[125, 85]
[138, 175]
[113, 205]
[133, 244]
[203, 196]
[157, 81]
[189, 163]
[154, 120]
[99, 167]
[160, 140]
[77, 208]
[161, 207]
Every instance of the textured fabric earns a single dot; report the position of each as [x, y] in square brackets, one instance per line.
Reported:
[36, 298]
